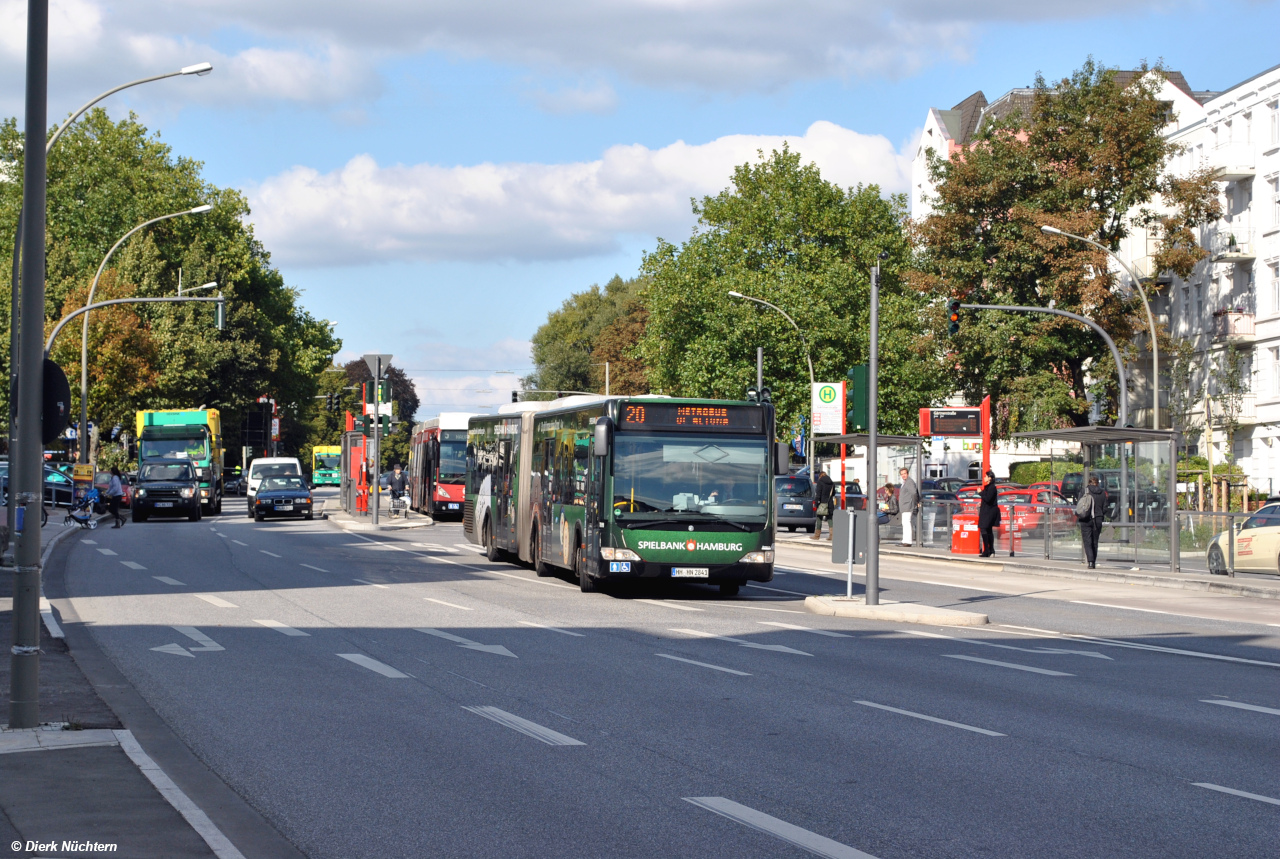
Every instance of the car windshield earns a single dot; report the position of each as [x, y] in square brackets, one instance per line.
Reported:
[453, 456]
[1015, 498]
[792, 486]
[174, 448]
[270, 483]
[279, 469]
[688, 475]
[166, 472]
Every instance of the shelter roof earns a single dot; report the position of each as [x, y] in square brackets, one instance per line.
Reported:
[1098, 435]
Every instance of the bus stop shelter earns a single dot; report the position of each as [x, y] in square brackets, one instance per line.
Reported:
[907, 449]
[1138, 470]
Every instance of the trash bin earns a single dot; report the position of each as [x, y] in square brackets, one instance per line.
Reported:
[964, 534]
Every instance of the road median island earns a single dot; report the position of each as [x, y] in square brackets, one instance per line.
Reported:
[347, 522]
[894, 612]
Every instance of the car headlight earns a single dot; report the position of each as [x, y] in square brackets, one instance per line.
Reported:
[141, 493]
[764, 556]
[303, 500]
[187, 492]
[204, 493]
[610, 554]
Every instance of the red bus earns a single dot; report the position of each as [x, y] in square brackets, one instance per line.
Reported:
[438, 465]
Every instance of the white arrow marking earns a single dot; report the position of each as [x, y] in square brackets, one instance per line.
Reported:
[207, 644]
[175, 649]
[825, 632]
[496, 649]
[776, 647]
[1091, 653]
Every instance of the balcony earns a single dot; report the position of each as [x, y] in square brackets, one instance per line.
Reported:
[1233, 163]
[1232, 325]
[1226, 248]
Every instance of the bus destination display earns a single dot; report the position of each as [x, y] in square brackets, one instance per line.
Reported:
[672, 416]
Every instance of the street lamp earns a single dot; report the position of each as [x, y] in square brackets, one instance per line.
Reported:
[209, 285]
[812, 445]
[84, 331]
[1151, 322]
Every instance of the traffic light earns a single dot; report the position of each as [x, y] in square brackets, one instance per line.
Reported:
[384, 392]
[857, 416]
[953, 316]
[220, 314]
[515, 396]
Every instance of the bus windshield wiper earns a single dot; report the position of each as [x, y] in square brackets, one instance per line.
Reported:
[649, 523]
[710, 517]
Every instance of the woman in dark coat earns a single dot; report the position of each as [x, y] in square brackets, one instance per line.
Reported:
[988, 515]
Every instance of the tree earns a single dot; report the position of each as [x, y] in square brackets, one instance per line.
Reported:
[106, 178]
[782, 233]
[1087, 158]
[405, 402]
[564, 346]
[1231, 375]
[1186, 389]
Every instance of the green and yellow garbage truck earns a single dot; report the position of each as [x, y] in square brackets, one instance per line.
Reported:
[165, 435]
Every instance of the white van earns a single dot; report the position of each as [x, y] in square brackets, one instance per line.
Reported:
[269, 466]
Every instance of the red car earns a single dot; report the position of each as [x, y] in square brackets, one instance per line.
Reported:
[1032, 509]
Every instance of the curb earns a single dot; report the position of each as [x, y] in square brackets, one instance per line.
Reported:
[46, 610]
[833, 606]
[1149, 579]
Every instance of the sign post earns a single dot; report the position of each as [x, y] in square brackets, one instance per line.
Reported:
[378, 364]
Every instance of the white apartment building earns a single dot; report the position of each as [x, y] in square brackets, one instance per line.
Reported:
[1234, 295]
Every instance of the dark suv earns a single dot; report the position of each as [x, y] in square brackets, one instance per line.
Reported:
[167, 489]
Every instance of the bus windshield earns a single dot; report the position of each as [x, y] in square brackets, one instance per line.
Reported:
[453, 456]
[329, 461]
[690, 475]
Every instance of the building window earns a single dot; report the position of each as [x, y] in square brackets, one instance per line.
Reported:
[1274, 269]
[1200, 305]
[1275, 121]
[1248, 129]
[1185, 308]
[1275, 370]
[1273, 187]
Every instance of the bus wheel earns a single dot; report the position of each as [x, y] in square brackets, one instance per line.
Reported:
[729, 589]
[490, 542]
[586, 583]
[535, 551]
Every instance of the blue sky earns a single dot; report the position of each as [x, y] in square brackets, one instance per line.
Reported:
[437, 176]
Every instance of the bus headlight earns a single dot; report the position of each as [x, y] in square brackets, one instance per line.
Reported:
[764, 556]
[611, 554]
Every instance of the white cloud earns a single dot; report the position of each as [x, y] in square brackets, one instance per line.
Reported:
[596, 98]
[365, 212]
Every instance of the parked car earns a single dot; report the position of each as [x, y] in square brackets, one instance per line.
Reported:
[59, 491]
[282, 496]
[1257, 544]
[167, 489]
[796, 503]
[1031, 510]
[944, 484]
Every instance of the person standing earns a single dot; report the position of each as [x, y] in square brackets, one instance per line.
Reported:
[1091, 519]
[908, 501]
[988, 514]
[825, 491]
[115, 493]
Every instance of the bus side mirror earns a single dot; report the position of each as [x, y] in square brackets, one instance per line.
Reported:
[781, 458]
[604, 426]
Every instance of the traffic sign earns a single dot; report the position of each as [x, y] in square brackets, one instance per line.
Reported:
[827, 404]
[378, 364]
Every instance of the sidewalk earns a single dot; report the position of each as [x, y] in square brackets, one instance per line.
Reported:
[1029, 564]
[409, 520]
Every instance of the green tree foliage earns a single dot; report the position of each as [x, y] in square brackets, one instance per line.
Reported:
[783, 234]
[405, 402]
[1185, 389]
[106, 178]
[1232, 376]
[564, 346]
[1087, 158]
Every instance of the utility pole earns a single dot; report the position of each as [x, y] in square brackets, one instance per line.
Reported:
[873, 443]
[377, 365]
[26, 465]
[759, 368]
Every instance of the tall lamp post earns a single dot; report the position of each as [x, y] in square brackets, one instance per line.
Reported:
[84, 331]
[1151, 321]
[807, 359]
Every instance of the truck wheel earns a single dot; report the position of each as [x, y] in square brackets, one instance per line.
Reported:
[217, 508]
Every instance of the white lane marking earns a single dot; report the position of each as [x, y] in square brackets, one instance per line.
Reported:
[373, 665]
[175, 649]
[265, 552]
[1240, 706]
[317, 569]
[437, 547]
[470, 548]
[206, 643]
[106, 551]
[496, 649]
[1234, 792]
[665, 604]
[90, 542]
[1009, 665]
[1110, 642]
[825, 632]
[199, 821]
[779, 648]
[961, 587]
[367, 582]
[778, 590]
[552, 628]
[280, 627]
[449, 604]
[703, 664]
[816, 844]
[213, 529]
[222, 535]
[930, 718]
[756, 608]
[1051, 650]
[508, 575]
[168, 581]
[1125, 607]
[133, 565]
[524, 726]
[238, 543]
[1031, 629]
[218, 601]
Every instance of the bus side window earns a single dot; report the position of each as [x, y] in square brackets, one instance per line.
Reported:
[581, 466]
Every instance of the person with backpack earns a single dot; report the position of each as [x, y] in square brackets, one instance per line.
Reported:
[1089, 513]
[988, 514]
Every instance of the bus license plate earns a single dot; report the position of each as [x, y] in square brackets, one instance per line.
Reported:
[453, 506]
[690, 572]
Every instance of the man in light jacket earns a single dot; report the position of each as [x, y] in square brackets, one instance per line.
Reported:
[908, 501]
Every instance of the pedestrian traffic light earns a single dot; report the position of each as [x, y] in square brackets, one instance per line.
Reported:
[953, 316]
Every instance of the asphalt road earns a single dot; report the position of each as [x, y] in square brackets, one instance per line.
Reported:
[398, 695]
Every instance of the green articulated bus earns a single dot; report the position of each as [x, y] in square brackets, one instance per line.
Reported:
[627, 488]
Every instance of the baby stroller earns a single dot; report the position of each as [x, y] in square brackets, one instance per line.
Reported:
[81, 512]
